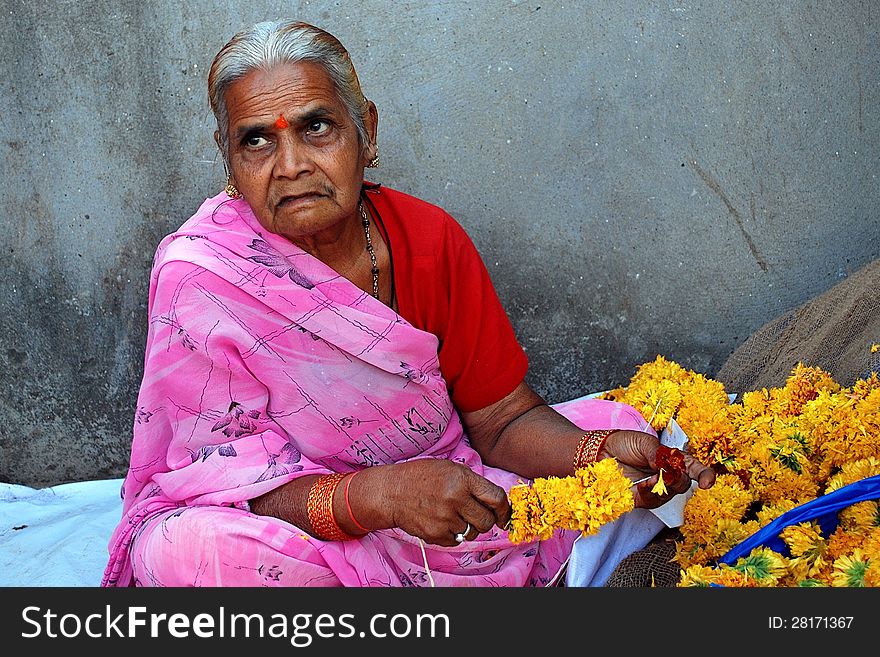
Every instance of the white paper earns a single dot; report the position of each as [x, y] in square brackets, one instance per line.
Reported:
[673, 435]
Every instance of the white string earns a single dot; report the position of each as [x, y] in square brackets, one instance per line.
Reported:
[425, 561]
[655, 410]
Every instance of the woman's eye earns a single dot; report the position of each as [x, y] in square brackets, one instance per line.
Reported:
[255, 141]
[318, 127]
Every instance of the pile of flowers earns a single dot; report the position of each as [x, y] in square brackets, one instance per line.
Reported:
[773, 450]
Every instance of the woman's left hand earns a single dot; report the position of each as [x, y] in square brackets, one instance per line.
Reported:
[636, 452]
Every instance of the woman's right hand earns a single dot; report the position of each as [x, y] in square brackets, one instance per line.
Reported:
[435, 499]
[636, 453]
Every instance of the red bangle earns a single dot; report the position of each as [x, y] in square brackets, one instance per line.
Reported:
[320, 508]
[348, 505]
[591, 444]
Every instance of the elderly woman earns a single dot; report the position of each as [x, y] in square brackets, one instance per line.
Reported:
[332, 392]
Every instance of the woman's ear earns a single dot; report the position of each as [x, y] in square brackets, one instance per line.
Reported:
[371, 125]
[371, 121]
[222, 155]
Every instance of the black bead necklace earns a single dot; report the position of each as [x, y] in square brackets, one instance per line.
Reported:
[365, 220]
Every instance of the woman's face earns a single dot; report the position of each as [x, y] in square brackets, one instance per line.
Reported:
[294, 152]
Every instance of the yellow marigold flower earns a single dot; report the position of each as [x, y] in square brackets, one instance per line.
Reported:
[615, 394]
[697, 576]
[854, 471]
[750, 527]
[660, 487]
[711, 512]
[726, 534]
[860, 515]
[874, 348]
[726, 499]
[660, 368]
[526, 521]
[802, 538]
[774, 482]
[732, 577]
[811, 583]
[871, 543]
[808, 548]
[755, 402]
[791, 451]
[659, 403]
[709, 428]
[872, 573]
[804, 384]
[689, 552]
[862, 387]
[771, 511]
[657, 388]
[849, 570]
[842, 542]
[763, 565]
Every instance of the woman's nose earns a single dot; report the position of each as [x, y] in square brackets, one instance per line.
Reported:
[292, 158]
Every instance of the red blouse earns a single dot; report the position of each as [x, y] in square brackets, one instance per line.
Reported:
[443, 287]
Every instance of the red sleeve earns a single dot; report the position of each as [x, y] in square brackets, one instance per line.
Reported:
[479, 355]
[443, 287]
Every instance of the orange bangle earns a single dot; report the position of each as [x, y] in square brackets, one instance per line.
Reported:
[591, 444]
[320, 508]
[348, 505]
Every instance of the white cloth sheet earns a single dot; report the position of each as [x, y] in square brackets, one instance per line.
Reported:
[57, 536]
[595, 557]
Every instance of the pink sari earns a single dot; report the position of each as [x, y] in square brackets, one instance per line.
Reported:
[263, 365]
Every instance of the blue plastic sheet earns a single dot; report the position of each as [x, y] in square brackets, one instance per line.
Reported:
[823, 510]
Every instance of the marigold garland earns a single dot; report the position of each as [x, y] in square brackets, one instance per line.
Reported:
[593, 496]
[773, 449]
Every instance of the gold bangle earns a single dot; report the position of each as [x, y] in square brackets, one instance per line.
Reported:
[589, 447]
[320, 508]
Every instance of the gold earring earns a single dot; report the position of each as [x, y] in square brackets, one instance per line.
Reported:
[232, 190]
[375, 161]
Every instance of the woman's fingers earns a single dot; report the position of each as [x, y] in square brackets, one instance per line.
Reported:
[644, 495]
[480, 517]
[493, 500]
[682, 468]
[638, 450]
[437, 500]
[693, 469]
[703, 475]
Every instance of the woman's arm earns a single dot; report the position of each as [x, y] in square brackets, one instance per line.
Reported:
[522, 434]
[433, 499]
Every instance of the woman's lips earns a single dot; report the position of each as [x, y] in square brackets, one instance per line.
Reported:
[299, 199]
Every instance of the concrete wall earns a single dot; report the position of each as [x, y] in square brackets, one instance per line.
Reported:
[642, 178]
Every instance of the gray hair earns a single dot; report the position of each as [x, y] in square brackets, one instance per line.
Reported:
[267, 44]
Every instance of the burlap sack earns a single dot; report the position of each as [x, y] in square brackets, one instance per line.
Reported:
[834, 331]
[652, 566]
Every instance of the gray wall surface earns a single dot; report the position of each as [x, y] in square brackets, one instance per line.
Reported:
[641, 178]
